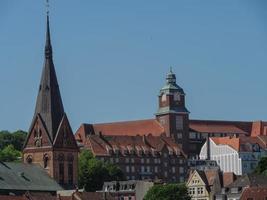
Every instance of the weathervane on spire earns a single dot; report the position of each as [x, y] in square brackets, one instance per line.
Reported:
[47, 7]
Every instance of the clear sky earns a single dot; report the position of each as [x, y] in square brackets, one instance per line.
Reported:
[112, 56]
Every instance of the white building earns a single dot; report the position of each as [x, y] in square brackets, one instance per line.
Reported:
[238, 155]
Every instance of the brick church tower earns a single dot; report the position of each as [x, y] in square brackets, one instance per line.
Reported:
[50, 141]
[172, 113]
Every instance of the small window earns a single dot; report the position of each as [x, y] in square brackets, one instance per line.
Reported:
[179, 122]
[164, 98]
[176, 97]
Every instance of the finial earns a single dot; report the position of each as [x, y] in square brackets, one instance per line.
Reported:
[171, 69]
[47, 7]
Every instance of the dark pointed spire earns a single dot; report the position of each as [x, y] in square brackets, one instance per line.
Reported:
[49, 104]
[48, 46]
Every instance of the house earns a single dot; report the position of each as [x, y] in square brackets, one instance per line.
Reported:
[130, 190]
[240, 186]
[238, 155]
[204, 184]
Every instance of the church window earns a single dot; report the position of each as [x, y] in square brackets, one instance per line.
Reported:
[61, 173]
[70, 173]
[46, 161]
[179, 122]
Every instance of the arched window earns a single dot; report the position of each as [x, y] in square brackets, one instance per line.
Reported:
[46, 159]
[29, 159]
[70, 168]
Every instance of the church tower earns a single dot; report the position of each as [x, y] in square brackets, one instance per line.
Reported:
[50, 141]
[172, 113]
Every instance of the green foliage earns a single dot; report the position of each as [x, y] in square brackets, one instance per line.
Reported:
[167, 192]
[16, 138]
[262, 166]
[9, 154]
[93, 172]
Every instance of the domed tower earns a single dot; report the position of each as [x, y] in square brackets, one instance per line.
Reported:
[172, 113]
[50, 142]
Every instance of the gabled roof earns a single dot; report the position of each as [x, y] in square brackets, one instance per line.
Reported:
[28, 177]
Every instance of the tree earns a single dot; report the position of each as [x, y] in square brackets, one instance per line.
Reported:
[16, 138]
[93, 172]
[262, 166]
[9, 154]
[167, 192]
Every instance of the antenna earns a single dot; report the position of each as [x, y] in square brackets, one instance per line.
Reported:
[47, 7]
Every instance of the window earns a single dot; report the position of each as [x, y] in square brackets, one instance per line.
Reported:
[164, 97]
[127, 160]
[111, 160]
[200, 190]
[156, 169]
[147, 160]
[179, 122]
[166, 174]
[132, 160]
[45, 161]
[142, 160]
[191, 191]
[179, 135]
[173, 169]
[181, 170]
[127, 169]
[176, 96]
[192, 135]
[142, 169]
[61, 173]
[133, 169]
[70, 173]
[117, 160]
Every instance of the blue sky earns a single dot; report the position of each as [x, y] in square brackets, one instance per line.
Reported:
[112, 56]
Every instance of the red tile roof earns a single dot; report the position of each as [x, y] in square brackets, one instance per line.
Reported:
[152, 126]
[254, 193]
[209, 126]
[228, 178]
[242, 143]
[106, 145]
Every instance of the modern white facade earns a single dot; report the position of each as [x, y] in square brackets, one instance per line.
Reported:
[231, 159]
